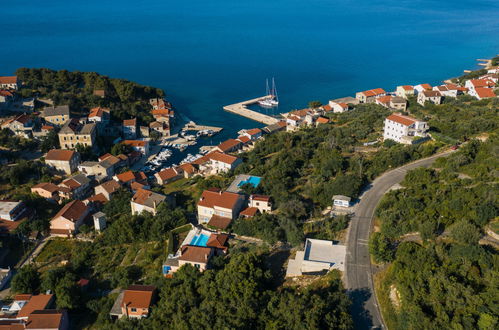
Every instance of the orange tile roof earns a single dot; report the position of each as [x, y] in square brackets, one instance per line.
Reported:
[261, 198]
[374, 92]
[408, 87]
[46, 319]
[168, 173]
[249, 212]
[126, 176]
[8, 80]
[147, 197]
[431, 93]
[135, 143]
[188, 168]
[327, 108]
[5, 93]
[384, 99]
[198, 254]
[485, 92]
[254, 131]
[36, 302]
[215, 197]
[59, 154]
[404, 120]
[482, 83]
[97, 112]
[221, 157]
[47, 127]
[217, 240]
[101, 158]
[22, 297]
[244, 139]
[72, 211]
[219, 222]
[322, 120]
[130, 122]
[228, 145]
[48, 186]
[99, 198]
[138, 296]
[425, 86]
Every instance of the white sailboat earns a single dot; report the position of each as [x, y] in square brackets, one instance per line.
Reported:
[272, 100]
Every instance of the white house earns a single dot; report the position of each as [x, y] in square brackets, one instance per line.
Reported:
[222, 163]
[422, 87]
[319, 256]
[9, 82]
[473, 84]
[146, 200]
[130, 128]
[261, 202]
[370, 95]
[404, 91]
[434, 97]
[219, 208]
[339, 107]
[341, 201]
[403, 129]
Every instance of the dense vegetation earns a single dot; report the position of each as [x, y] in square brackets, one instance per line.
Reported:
[303, 170]
[446, 279]
[126, 99]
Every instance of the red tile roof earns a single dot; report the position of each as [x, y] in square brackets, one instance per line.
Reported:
[97, 112]
[322, 120]
[135, 143]
[254, 131]
[219, 222]
[408, 87]
[327, 107]
[110, 186]
[221, 157]
[482, 83]
[228, 145]
[188, 168]
[425, 86]
[99, 198]
[197, 254]
[47, 128]
[404, 120]
[48, 186]
[46, 319]
[432, 93]
[374, 92]
[60, 154]
[8, 80]
[168, 173]
[244, 139]
[130, 122]
[249, 212]
[384, 99]
[41, 301]
[217, 240]
[485, 92]
[261, 198]
[73, 211]
[212, 198]
[126, 176]
[138, 296]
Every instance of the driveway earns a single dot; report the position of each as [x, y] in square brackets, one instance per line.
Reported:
[358, 271]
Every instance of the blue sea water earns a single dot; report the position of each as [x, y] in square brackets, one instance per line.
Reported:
[206, 54]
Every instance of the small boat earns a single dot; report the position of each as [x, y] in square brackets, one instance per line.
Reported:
[271, 100]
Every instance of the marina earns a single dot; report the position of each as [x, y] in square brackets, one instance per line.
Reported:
[241, 109]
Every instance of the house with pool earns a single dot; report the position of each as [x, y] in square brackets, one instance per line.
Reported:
[243, 179]
[197, 249]
[218, 208]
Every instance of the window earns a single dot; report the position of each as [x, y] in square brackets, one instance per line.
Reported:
[134, 309]
[197, 266]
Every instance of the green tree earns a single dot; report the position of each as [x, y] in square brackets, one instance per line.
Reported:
[27, 280]
[380, 247]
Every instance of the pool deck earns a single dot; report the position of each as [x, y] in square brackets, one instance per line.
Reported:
[234, 186]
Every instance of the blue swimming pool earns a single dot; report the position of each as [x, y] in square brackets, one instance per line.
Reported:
[200, 240]
[253, 180]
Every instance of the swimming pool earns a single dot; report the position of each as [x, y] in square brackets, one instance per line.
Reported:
[200, 240]
[253, 180]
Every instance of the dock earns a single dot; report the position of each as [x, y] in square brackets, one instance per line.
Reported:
[241, 109]
[192, 126]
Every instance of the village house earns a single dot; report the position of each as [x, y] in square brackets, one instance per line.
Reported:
[101, 169]
[293, 123]
[370, 95]
[421, 88]
[404, 129]
[392, 102]
[129, 177]
[252, 134]
[6, 99]
[43, 131]
[434, 97]
[134, 302]
[319, 256]
[473, 84]
[493, 69]
[491, 76]
[189, 170]
[57, 115]
[74, 133]
[130, 129]
[450, 90]
[341, 201]
[169, 175]
[339, 107]
[230, 145]
[162, 115]
[46, 190]
[245, 141]
[146, 200]
[141, 146]
[107, 188]
[404, 91]
[12, 210]
[321, 120]
[261, 202]
[99, 115]
[75, 187]
[222, 163]
[161, 127]
[65, 161]
[197, 256]
[484, 93]
[67, 221]
[9, 82]
[218, 209]
[277, 127]
[21, 125]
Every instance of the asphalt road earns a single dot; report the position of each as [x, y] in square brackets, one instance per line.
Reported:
[358, 270]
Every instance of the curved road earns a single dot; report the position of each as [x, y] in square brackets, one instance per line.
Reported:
[358, 272]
